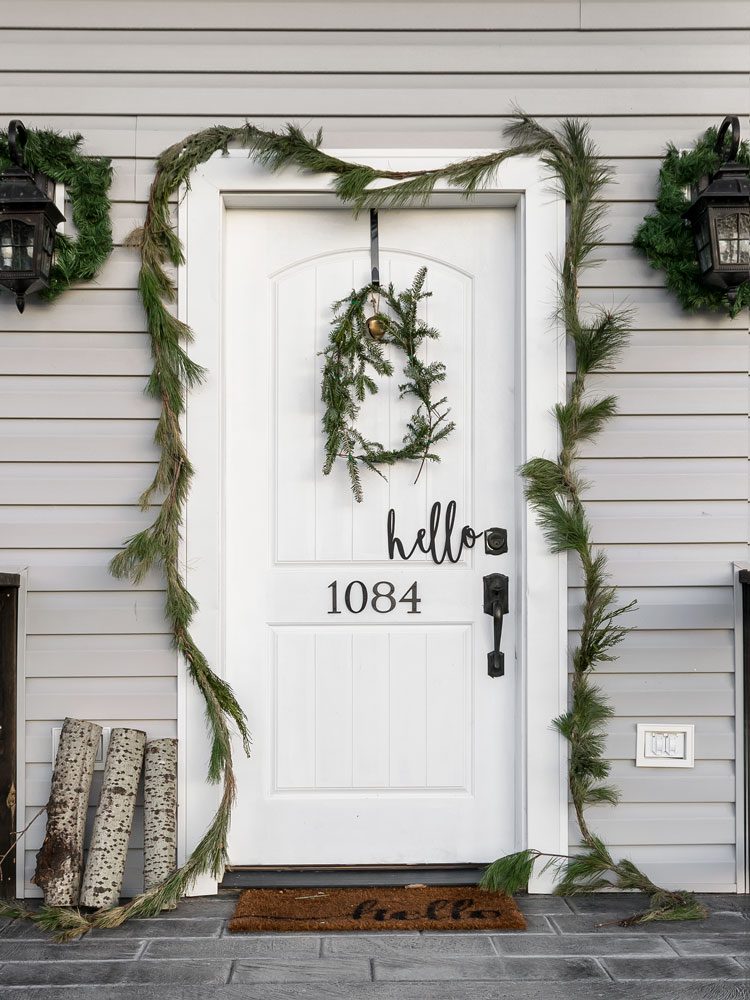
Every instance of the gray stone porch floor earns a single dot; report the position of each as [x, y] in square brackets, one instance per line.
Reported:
[572, 949]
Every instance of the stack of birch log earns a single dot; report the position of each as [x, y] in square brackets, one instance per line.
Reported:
[60, 870]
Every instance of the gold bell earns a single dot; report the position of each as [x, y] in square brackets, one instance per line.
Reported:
[375, 328]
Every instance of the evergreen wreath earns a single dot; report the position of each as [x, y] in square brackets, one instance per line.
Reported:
[553, 488]
[352, 352]
[87, 181]
[664, 237]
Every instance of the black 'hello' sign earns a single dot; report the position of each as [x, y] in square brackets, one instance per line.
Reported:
[439, 544]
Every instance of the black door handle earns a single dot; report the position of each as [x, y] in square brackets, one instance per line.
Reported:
[496, 605]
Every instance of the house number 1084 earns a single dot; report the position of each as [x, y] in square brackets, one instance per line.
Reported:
[383, 599]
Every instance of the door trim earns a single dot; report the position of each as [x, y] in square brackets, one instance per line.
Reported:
[741, 575]
[228, 181]
[10, 584]
[21, 573]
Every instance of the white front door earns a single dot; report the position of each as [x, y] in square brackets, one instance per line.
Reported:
[378, 736]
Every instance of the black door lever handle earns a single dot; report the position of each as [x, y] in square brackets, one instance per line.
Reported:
[496, 605]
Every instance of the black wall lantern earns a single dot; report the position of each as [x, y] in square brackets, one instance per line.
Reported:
[28, 219]
[719, 218]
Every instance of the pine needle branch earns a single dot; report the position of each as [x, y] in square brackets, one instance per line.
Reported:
[553, 490]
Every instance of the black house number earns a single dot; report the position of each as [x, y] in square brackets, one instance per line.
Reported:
[382, 599]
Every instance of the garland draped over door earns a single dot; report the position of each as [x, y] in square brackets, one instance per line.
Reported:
[553, 487]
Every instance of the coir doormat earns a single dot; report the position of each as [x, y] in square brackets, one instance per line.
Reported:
[414, 908]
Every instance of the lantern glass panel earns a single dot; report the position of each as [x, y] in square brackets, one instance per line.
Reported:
[16, 245]
[744, 249]
[48, 246]
[702, 240]
[733, 238]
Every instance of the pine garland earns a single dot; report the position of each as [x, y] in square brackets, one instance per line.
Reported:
[553, 487]
[87, 181]
[351, 352]
[665, 239]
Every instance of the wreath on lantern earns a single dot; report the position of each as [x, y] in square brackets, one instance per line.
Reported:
[355, 353]
[87, 181]
[664, 237]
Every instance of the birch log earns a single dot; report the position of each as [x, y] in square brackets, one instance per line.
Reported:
[159, 811]
[105, 864]
[59, 863]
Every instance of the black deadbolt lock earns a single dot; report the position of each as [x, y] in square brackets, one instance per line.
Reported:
[495, 541]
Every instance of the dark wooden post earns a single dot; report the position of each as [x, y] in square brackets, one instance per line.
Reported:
[9, 822]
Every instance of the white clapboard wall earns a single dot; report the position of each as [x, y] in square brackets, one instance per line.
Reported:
[669, 477]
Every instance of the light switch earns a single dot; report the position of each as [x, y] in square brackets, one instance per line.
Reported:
[661, 744]
[665, 745]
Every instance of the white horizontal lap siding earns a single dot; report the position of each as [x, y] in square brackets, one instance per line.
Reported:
[668, 480]
[76, 450]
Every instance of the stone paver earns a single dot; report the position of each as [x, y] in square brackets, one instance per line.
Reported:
[21, 950]
[622, 903]
[156, 927]
[582, 944]
[74, 973]
[536, 923]
[727, 944]
[222, 906]
[718, 903]
[235, 946]
[608, 923]
[574, 949]
[544, 904]
[588, 990]
[373, 945]
[300, 970]
[478, 969]
[167, 927]
[721, 968]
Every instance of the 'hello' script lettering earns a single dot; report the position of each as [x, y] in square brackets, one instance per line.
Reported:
[428, 540]
[437, 909]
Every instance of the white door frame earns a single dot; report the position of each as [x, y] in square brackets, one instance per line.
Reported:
[233, 180]
[743, 876]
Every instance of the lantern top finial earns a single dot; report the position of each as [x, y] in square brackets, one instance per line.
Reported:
[17, 136]
[731, 176]
[733, 122]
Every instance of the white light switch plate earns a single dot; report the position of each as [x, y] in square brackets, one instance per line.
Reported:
[665, 745]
